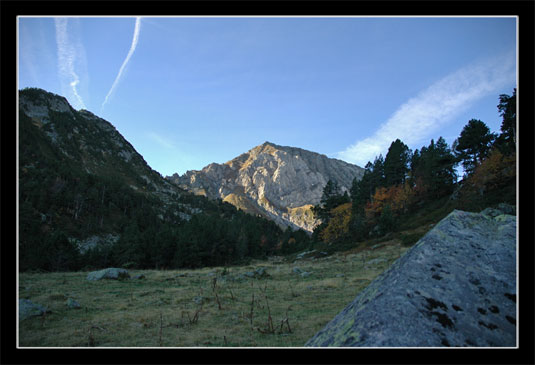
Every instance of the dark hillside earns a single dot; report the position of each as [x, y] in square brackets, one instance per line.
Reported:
[87, 198]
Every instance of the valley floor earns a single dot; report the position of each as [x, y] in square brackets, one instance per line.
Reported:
[210, 307]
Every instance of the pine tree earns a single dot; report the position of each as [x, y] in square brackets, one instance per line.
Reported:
[396, 164]
[330, 199]
[377, 177]
[434, 167]
[445, 175]
[506, 142]
[473, 145]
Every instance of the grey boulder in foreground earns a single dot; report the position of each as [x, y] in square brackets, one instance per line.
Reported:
[455, 287]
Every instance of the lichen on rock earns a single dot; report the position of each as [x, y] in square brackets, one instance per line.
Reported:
[455, 287]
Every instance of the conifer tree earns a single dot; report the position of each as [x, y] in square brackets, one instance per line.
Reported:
[434, 166]
[396, 164]
[473, 144]
[330, 199]
[377, 174]
[506, 142]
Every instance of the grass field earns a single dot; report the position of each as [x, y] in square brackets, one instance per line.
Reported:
[209, 307]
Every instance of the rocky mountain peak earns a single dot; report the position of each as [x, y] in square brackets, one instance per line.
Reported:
[37, 103]
[279, 182]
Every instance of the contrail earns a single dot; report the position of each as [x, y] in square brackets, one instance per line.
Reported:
[66, 58]
[130, 53]
[436, 106]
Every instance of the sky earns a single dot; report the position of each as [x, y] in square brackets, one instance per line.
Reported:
[189, 91]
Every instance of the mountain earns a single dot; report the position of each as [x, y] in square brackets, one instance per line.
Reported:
[52, 132]
[87, 198]
[278, 182]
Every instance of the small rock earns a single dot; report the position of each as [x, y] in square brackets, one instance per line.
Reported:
[110, 273]
[303, 254]
[28, 309]
[261, 273]
[258, 273]
[239, 277]
[139, 277]
[71, 303]
[376, 261]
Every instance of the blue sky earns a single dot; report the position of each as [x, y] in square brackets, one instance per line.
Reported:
[188, 91]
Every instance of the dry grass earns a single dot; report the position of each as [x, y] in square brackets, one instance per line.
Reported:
[183, 308]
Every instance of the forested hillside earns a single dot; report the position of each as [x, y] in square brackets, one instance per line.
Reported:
[407, 188]
[87, 199]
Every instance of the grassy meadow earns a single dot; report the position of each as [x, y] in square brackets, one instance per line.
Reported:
[209, 307]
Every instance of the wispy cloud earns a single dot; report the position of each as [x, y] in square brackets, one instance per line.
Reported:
[125, 62]
[420, 117]
[70, 54]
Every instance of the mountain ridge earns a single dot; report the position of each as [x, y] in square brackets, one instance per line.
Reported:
[53, 115]
[281, 183]
[88, 199]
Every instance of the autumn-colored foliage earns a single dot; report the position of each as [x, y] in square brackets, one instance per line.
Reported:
[398, 197]
[338, 224]
[494, 172]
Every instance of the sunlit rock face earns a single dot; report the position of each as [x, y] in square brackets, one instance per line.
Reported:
[278, 182]
[455, 287]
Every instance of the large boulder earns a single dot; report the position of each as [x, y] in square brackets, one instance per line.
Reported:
[110, 273]
[455, 287]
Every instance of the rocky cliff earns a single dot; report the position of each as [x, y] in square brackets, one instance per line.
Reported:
[455, 287]
[280, 183]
